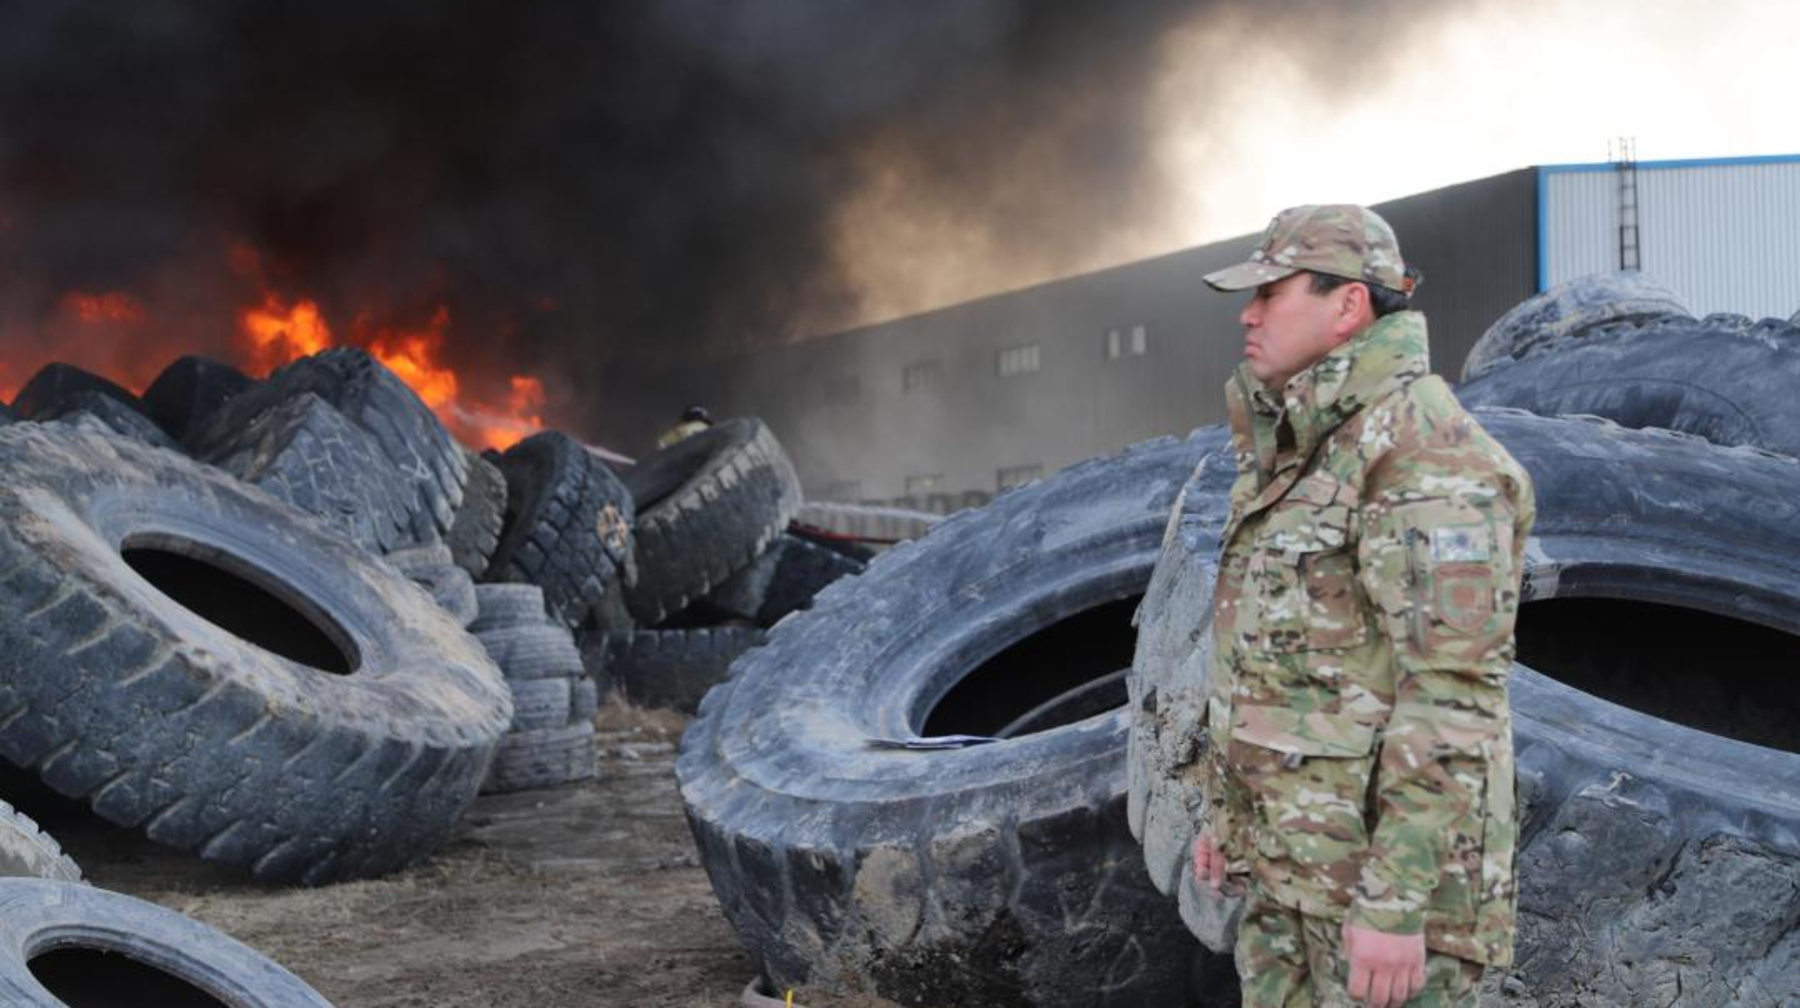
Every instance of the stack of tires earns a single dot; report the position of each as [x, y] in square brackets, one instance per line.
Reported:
[715, 564]
[551, 740]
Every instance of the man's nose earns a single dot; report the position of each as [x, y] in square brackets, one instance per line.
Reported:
[1247, 318]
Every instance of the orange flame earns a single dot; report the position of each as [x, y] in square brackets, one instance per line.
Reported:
[113, 306]
[277, 333]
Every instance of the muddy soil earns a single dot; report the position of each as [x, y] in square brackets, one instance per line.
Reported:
[581, 895]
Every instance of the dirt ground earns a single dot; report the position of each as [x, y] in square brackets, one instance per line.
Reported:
[581, 895]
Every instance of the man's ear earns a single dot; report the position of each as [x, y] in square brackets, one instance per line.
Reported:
[1355, 311]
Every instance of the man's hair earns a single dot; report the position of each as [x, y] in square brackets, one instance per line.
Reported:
[1383, 300]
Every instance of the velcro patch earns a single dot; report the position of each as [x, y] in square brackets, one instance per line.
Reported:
[1460, 544]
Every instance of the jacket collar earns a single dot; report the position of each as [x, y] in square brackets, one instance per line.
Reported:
[1388, 354]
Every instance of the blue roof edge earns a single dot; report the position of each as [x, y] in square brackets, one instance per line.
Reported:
[1754, 159]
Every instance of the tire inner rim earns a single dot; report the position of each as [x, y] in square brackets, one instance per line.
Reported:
[95, 978]
[243, 601]
[1066, 672]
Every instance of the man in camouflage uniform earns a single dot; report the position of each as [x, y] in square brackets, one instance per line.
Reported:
[1359, 757]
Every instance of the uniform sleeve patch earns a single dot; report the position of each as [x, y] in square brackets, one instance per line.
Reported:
[1461, 544]
[1463, 595]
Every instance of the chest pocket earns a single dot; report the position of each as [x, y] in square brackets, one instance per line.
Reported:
[1304, 568]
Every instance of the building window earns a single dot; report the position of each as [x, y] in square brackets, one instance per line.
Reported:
[920, 376]
[842, 390]
[918, 486]
[1016, 476]
[1017, 360]
[1127, 342]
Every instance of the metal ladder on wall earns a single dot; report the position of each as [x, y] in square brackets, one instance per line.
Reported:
[1625, 166]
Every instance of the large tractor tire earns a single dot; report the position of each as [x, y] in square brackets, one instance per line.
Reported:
[475, 533]
[999, 874]
[1551, 319]
[108, 415]
[567, 528]
[1658, 763]
[782, 580]
[674, 668]
[1723, 378]
[48, 392]
[304, 452]
[417, 448]
[706, 508]
[191, 657]
[190, 390]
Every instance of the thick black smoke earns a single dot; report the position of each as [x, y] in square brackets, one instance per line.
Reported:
[591, 188]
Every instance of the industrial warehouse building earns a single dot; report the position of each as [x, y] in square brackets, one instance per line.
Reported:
[946, 407]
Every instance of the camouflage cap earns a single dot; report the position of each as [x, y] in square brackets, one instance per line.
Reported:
[1339, 239]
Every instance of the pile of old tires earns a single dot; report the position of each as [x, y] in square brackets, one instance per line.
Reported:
[291, 625]
[932, 785]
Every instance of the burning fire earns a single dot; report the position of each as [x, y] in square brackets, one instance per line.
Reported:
[112, 306]
[276, 332]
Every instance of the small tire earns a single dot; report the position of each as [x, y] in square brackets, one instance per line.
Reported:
[449, 586]
[675, 668]
[508, 605]
[190, 390]
[1550, 319]
[705, 508]
[543, 651]
[530, 760]
[475, 533]
[62, 943]
[541, 703]
[567, 528]
[26, 851]
[160, 717]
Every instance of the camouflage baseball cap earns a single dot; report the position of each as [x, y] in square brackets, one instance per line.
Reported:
[1339, 239]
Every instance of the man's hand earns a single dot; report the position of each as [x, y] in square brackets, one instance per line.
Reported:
[1386, 970]
[1209, 861]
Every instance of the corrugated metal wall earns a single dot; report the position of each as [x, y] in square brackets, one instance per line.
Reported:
[1724, 234]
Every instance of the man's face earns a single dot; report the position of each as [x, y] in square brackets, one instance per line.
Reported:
[1287, 328]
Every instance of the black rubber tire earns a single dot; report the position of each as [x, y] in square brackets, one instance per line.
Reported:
[1723, 378]
[567, 528]
[26, 851]
[1552, 318]
[705, 508]
[49, 391]
[62, 943]
[475, 533]
[449, 586]
[190, 390]
[302, 451]
[508, 605]
[419, 451]
[782, 580]
[110, 416]
[675, 668]
[1655, 859]
[540, 704]
[530, 760]
[161, 718]
[1001, 874]
[526, 651]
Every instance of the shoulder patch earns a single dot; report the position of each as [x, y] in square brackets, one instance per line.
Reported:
[1461, 544]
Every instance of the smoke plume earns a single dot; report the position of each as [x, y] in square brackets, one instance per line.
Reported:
[569, 191]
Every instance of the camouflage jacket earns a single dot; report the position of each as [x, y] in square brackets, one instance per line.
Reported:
[1360, 743]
